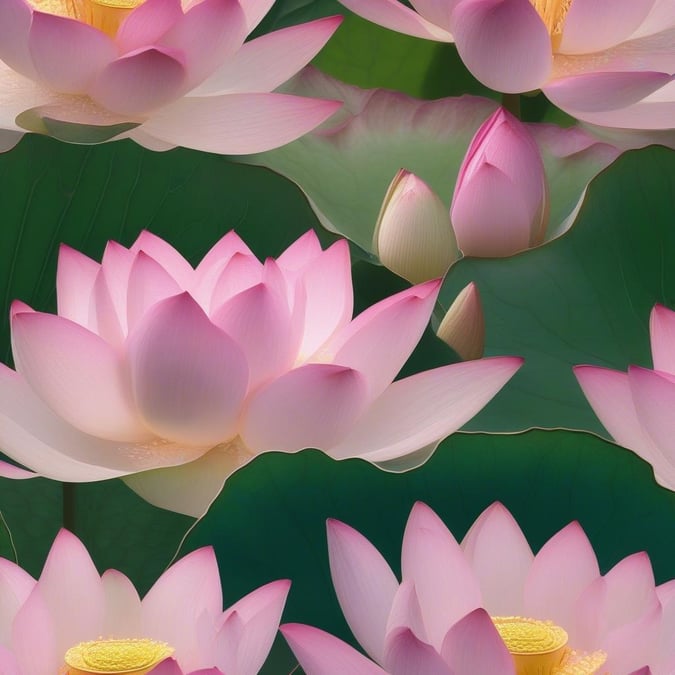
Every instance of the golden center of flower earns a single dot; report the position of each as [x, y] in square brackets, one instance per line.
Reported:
[106, 15]
[116, 657]
[553, 13]
[540, 648]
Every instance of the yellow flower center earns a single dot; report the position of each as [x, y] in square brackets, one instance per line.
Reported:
[540, 648]
[106, 15]
[115, 657]
[553, 13]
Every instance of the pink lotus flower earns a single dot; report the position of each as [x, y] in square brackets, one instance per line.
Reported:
[504, 162]
[162, 72]
[636, 407]
[554, 612]
[606, 62]
[185, 375]
[73, 621]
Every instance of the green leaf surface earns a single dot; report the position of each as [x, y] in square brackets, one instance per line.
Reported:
[269, 522]
[583, 299]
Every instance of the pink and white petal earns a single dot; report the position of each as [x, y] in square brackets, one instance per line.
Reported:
[210, 32]
[107, 310]
[364, 584]
[312, 406]
[379, 341]
[75, 277]
[500, 557]
[146, 24]
[149, 283]
[72, 591]
[424, 408]
[259, 320]
[166, 255]
[263, 64]
[553, 585]
[14, 472]
[34, 642]
[191, 487]
[254, 11]
[473, 645]
[504, 43]
[188, 377]
[436, 11]
[227, 640]
[396, 16]
[122, 616]
[598, 92]
[241, 272]
[301, 252]
[631, 646]
[68, 54]
[192, 585]
[407, 655]
[15, 22]
[329, 300]
[406, 612]
[15, 587]
[140, 81]
[238, 124]
[261, 612]
[319, 653]
[445, 584]
[662, 333]
[595, 25]
[77, 374]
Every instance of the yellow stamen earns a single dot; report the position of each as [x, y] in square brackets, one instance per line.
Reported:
[540, 648]
[553, 13]
[116, 657]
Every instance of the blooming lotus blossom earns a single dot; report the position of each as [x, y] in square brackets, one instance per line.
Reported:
[72, 621]
[180, 376]
[636, 407]
[608, 62]
[504, 162]
[552, 612]
[162, 72]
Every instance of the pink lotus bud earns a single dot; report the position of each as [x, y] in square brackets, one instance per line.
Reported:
[463, 326]
[413, 236]
[500, 205]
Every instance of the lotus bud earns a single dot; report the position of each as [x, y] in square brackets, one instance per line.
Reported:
[463, 326]
[500, 205]
[413, 236]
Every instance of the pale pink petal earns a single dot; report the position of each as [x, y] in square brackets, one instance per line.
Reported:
[662, 333]
[188, 377]
[255, 10]
[191, 487]
[167, 667]
[553, 584]
[140, 81]
[15, 21]
[259, 319]
[122, 606]
[8, 139]
[445, 584]
[301, 252]
[15, 587]
[407, 655]
[364, 584]
[320, 653]
[406, 612]
[379, 341]
[72, 591]
[594, 25]
[312, 406]
[14, 472]
[178, 598]
[631, 646]
[206, 35]
[329, 304]
[148, 283]
[107, 309]
[436, 11]
[424, 408]
[68, 54]
[238, 124]
[504, 43]
[500, 557]
[166, 255]
[666, 593]
[8, 663]
[77, 374]
[588, 616]
[75, 277]
[396, 16]
[242, 271]
[228, 639]
[473, 646]
[261, 65]
[602, 91]
[147, 23]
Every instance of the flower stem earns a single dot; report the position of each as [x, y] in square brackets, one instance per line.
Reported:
[512, 103]
[68, 497]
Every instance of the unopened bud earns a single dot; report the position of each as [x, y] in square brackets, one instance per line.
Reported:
[463, 327]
